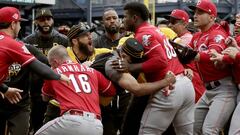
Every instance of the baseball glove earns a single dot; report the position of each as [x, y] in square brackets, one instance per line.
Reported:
[185, 54]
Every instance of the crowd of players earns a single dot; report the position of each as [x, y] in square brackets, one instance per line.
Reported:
[122, 82]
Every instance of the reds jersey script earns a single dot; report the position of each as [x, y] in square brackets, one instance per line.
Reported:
[83, 91]
[160, 54]
[12, 51]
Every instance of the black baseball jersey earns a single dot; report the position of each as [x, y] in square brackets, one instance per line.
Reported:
[46, 43]
[104, 42]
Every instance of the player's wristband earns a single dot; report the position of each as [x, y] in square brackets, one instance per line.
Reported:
[3, 88]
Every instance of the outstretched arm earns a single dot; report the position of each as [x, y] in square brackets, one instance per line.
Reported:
[128, 82]
[46, 72]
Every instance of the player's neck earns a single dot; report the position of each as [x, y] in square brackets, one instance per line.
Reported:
[8, 32]
[206, 27]
[138, 24]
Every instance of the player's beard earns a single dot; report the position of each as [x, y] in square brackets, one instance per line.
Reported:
[112, 30]
[41, 29]
[85, 49]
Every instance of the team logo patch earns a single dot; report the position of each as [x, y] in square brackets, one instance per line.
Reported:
[14, 69]
[145, 40]
[218, 38]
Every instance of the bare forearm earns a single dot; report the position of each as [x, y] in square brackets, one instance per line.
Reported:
[129, 83]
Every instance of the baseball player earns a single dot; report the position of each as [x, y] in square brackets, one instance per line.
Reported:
[44, 38]
[160, 57]
[218, 102]
[112, 114]
[13, 51]
[79, 101]
[178, 23]
[231, 55]
[80, 50]
[14, 112]
[132, 51]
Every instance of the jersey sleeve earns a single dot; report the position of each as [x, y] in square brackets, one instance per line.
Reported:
[156, 60]
[20, 53]
[106, 88]
[216, 41]
[38, 54]
[47, 90]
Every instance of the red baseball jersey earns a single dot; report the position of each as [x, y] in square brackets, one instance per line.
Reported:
[12, 51]
[160, 54]
[196, 80]
[186, 38]
[203, 42]
[83, 91]
[235, 63]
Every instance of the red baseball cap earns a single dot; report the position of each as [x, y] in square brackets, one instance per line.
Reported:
[180, 14]
[10, 14]
[207, 6]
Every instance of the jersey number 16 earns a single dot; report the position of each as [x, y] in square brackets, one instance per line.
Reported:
[82, 80]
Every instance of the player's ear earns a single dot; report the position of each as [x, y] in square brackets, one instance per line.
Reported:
[212, 17]
[13, 25]
[74, 41]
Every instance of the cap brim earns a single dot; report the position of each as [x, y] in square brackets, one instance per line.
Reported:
[192, 7]
[167, 17]
[23, 20]
[88, 30]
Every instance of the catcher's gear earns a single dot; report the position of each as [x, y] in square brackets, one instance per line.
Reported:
[185, 54]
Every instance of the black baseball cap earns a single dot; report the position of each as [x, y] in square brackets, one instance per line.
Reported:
[44, 12]
[133, 48]
[79, 29]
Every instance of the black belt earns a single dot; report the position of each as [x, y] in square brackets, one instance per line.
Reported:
[212, 85]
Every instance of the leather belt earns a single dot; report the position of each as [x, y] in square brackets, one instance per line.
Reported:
[83, 113]
[212, 85]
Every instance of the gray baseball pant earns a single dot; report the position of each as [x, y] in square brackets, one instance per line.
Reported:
[234, 126]
[69, 124]
[215, 107]
[178, 108]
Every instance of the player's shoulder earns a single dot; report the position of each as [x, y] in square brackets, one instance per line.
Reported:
[217, 30]
[30, 37]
